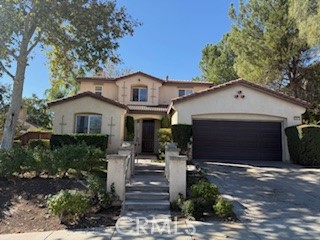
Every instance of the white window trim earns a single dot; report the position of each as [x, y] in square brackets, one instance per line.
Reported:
[89, 117]
[185, 91]
[98, 90]
[139, 95]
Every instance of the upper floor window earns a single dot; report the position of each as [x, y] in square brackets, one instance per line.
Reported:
[139, 94]
[98, 90]
[184, 92]
[88, 123]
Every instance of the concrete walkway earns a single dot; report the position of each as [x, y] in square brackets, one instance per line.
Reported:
[273, 200]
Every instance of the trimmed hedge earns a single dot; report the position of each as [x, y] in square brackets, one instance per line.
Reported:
[164, 135]
[165, 122]
[304, 144]
[42, 143]
[130, 128]
[181, 134]
[95, 140]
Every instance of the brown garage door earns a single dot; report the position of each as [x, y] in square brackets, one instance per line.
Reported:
[237, 140]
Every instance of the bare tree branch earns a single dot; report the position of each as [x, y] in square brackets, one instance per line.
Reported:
[6, 70]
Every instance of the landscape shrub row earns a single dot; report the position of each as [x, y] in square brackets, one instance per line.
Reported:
[304, 144]
[71, 205]
[204, 197]
[20, 160]
[95, 140]
[181, 134]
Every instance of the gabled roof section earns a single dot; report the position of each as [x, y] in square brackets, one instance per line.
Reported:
[87, 94]
[139, 73]
[241, 82]
[162, 81]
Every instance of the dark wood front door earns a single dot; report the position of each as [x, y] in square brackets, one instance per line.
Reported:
[148, 136]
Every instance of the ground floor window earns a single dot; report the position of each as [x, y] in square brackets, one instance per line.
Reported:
[88, 123]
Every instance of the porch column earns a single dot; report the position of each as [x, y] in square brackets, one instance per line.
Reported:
[178, 180]
[116, 174]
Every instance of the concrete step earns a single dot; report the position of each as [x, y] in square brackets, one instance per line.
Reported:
[148, 180]
[141, 195]
[149, 172]
[147, 188]
[146, 205]
[149, 167]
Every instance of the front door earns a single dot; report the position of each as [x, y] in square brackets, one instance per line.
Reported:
[148, 136]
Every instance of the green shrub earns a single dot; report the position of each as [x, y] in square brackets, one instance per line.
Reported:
[165, 122]
[68, 204]
[79, 157]
[178, 202]
[304, 144]
[223, 208]
[193, 208]
[164, 135]
[95, 140]
[130, 128]
[206, 191]
[188, 208]
[16, 143]
[42, 143]
[181, 134]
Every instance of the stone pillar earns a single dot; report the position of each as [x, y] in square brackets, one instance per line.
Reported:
[116, 174]
[178, 180]
[127, 151]
[170, 150]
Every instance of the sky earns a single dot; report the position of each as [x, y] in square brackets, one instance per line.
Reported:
[168, 43]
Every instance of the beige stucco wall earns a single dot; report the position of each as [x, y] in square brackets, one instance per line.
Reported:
[168, 92]
[90, 105]
[109, 89]
[223, 105]
[125, 89]
[138, 120]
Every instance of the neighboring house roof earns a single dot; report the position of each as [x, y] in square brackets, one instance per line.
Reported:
[239, 82]
[164, 82]
[148, 109]
[87, 94]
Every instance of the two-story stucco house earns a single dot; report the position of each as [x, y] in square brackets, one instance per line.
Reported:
[235, 120]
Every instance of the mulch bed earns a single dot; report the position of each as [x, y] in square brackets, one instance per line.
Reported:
[23, 206]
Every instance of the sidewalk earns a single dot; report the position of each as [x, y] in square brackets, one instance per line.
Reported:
[92, 234]
[178, 230]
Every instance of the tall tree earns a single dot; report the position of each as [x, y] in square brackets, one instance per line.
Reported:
[83, 32]
[307, 16]
[217, 62]
[266, 42]
[4, 103]
[37, 111]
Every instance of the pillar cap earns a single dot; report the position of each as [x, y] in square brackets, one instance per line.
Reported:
[179, 158]
[116, 157]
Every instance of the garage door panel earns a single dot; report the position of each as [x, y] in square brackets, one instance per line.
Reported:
[234, 140]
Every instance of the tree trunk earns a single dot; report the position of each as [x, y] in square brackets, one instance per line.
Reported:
[16, 100]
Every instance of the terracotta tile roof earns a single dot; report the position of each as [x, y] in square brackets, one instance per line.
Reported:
[86, 94]
[148, 109]
[187, 82]
[163, 81]
[245, 83]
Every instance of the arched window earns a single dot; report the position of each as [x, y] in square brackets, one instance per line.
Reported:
[88, 123]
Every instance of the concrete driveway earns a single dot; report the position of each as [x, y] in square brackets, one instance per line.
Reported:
[274, 200]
